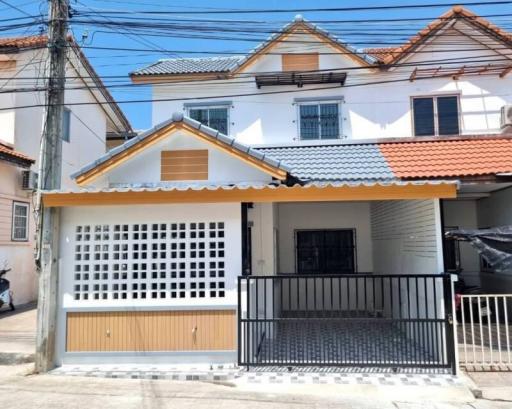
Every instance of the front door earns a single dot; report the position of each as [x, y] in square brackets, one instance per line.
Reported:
[325, 251]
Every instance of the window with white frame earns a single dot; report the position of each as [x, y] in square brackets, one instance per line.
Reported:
[319, 120]
[436, 115]
[20, 221]
[215, 117]
[149, 261]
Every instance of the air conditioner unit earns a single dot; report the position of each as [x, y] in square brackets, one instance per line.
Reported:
[29, 180]
[506, 116]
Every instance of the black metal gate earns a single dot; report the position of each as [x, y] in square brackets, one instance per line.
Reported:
[356, 320]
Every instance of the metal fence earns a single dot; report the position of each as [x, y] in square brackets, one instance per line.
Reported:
[484, 331]
[357, 320]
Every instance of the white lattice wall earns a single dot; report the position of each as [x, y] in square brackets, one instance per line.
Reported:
[150, 255]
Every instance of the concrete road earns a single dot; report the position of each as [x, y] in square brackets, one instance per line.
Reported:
[18, 334]
[19, 390]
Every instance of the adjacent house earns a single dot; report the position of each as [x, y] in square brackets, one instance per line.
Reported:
[288, 206]
[23, 70]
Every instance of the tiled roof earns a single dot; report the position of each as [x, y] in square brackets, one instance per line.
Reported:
[208, 132]
[23, 42]
[10, 155]
[229, 64]
[449, 158]
[333, 162]
[191, 66]
[391, 55]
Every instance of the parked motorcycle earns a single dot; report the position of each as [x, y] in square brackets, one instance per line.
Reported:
[475, 307]
[6, 296]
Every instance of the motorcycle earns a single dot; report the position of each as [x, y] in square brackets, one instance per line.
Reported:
[6, 295]
[475, 307]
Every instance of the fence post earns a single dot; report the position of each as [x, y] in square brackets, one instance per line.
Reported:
[449, 321]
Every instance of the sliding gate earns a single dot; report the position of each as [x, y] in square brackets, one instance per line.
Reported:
[357, 320]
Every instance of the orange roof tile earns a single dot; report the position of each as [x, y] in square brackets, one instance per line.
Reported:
[22, 42]
[391, 55]
[449, 158]
[10, 153]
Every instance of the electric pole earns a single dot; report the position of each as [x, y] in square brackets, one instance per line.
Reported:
[50, 178]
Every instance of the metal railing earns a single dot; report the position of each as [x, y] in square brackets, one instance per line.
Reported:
[357, 320]
[484, 331]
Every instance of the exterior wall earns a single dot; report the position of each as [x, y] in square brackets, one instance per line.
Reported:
[222, 167]
[495, 211]
[19, 256]
[327, 215]
[378, 111]
[151, 266]
[406, 237]
[463, 215]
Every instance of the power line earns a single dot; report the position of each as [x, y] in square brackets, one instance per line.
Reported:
[303, 10]
[15, 8]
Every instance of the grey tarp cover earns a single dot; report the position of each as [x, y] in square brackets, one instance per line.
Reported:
[495, 245]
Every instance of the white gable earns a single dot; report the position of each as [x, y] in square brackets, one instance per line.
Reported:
[329, 57]
[144, 168]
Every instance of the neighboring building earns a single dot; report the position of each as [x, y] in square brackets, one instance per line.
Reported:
[23, 67]
[328, 197]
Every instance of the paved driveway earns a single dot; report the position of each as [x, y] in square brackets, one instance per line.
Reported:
[17, 334]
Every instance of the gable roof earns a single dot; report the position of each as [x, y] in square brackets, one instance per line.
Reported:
[18, 44]
[178, 121]
[235, 64]
[391, 55]
[388, 160]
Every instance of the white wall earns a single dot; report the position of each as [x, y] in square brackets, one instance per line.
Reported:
[264, 218]
[406, 237]
[495, 210]
[377, 111]
[19, 256]
[324, 215]
[463, 215]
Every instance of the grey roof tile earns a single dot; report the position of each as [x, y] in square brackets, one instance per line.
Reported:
[190, 66]
[339, 162]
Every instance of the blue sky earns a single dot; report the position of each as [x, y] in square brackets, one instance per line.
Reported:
[120, 63]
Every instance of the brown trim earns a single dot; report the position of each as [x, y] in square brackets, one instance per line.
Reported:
[150, 140]
[279, 194]
[163, 78]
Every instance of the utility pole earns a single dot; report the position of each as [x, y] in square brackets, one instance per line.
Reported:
[50, 178]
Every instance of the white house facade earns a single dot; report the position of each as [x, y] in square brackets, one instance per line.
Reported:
[282, 211]
[23, 67]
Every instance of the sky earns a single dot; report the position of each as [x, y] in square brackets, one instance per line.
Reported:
[121, 63]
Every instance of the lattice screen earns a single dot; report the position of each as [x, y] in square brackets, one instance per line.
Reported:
[149, 261]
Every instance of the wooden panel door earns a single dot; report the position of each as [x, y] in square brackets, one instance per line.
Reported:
[146, 331]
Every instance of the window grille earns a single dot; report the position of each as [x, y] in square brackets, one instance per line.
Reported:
[149, 261]
[20, 221]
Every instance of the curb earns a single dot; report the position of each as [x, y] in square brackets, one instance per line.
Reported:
[16, 358]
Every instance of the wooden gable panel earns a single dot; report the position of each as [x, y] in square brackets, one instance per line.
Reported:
[300, 62]
[184, 165]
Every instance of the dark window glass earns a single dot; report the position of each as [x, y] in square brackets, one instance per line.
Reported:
[319, 121]
[329, 121]
[216, 118]
[423, 111]
[448, 115]
[66, 125]
[309, 122]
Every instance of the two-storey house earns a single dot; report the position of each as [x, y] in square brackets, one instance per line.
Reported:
[23, 77]
[288, 206]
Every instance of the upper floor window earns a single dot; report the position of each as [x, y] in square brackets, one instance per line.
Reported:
[19, 221]
[438, 115]
[66, 125]
[215, 117]
[319, 120]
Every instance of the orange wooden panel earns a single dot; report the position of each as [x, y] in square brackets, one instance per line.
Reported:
[300, 62]
[184, 165]
[145, 331]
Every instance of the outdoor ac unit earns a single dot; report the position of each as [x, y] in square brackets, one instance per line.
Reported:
[29, 180]
[506, 116]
